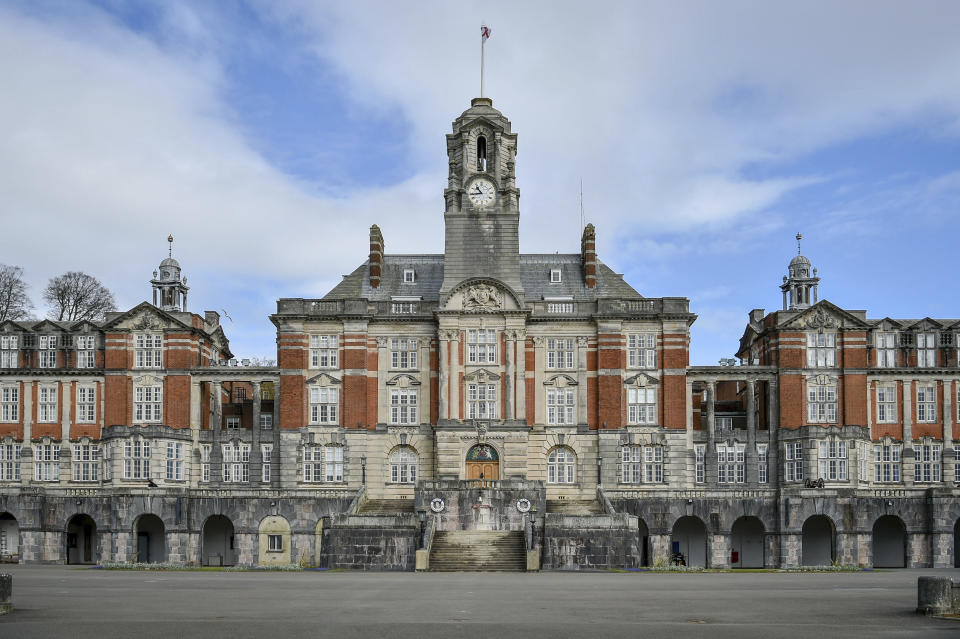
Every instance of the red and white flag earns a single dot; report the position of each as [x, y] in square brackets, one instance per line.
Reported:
[484, 32]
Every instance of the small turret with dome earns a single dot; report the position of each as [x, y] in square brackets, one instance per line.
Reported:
[800, 285]
[169, 289]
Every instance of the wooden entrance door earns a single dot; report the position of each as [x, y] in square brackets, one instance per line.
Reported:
[483, 470]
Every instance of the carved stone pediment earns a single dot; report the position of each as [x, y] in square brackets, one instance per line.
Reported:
[481, 375]
[148, 379]
[403, 380]
[323, 379]
[560, 381]
[482, 297]
[822, 380]
[641, 380]
[820, 319]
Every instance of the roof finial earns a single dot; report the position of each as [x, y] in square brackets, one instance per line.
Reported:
[799, 237]
[170, 250]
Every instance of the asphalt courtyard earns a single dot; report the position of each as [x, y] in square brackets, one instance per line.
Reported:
[59, 601]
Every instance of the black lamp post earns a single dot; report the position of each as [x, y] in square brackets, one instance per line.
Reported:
[533, 527]
[599, 470]
[363, 469]
[422, 516]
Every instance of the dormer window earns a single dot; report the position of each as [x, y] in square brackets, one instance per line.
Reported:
[555, 276]
[481, 153]
[409, 276]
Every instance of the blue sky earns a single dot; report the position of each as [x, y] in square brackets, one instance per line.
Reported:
[268, 136]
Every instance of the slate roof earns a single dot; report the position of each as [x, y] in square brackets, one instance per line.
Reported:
[535, 277]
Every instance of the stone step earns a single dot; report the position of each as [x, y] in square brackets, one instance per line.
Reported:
[386, 507]
[574, 507]
[478, 550]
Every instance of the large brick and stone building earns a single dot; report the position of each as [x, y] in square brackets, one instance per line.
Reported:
[485, 390]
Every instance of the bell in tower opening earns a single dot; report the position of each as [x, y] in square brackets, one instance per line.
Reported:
[169, 289]
[481, 153]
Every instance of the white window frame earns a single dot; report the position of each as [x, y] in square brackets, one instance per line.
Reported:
[864, 459]
[404, 352]
[47, 404]
[886, 347]
[561, 353]
[9, 351]
[821, 350]
[266, 458]
[886, 403]
[324, 405]
[232, 422]
[46, 462]
[482, 346]
[205, 450]
[561, 466]
[793, 462]
[324, 351]
[313, 464]
[47, 351]
[86, 353]
[86, 462]
[641, 405]
[822, 403]
[403, 465]
[927, 463]
[86, 409]
[274, 542]
[403, 406]
[10, 462]
[333, 463]
[148, 350]
[236, 463]
[762, 463]
[136, 459]
[561, 406]
[926, 403]
[409, 276]
[700, 467]
[174, 461]
[886, 463]
[556, 276]
[642, 350]
[926, 344]
[482, 401]
[631, 464]
[10, 403]
[731, 463]
[266, 421]
[147, 403]
[653, 464]
[832, 456]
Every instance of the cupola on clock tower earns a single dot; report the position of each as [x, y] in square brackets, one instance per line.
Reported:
[482, 215]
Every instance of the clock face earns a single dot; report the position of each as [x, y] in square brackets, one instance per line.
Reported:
[481, 192]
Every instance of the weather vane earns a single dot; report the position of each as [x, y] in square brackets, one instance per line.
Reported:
[799, 237]
[170, 250]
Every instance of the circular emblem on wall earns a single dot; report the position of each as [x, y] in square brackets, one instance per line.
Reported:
[437, 505]
[523, 505]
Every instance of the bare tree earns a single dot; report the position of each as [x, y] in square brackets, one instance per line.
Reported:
[14, 303]
[77, 296]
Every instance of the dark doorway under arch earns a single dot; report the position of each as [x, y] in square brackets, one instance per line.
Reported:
[689, 537]
[81, 542]
[746, 543]
[218, 541]
[151, 543]
[818, 547]
[9, 538]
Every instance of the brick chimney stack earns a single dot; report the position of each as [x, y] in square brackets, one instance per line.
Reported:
[376, 256]
[588, 253]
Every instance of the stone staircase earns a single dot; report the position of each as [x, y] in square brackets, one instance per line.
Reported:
[574, 507]
[478, 550]
[386, 507]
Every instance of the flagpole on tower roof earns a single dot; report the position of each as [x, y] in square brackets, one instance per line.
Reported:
[484, 34]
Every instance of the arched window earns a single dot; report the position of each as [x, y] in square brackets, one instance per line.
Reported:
[560, 466]
[481, 153]
[403, 465]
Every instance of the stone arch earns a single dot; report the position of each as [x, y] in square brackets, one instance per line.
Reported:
[482, 461]
[274, 541]
[217, 542]
[643, 540]
[746, 542]
[80, 540]
[149, 534]
[819, 541]
[889, 542]
[460, 298]
[689, 538]
[9, 537]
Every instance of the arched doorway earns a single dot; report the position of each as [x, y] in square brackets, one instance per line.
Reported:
[690, 539]
[9, 539]
[889, 542]
[82, 540]
[151, 543]
[818, 547]
[643, 536]
[218, 541]
[483, 462]
[746, 543]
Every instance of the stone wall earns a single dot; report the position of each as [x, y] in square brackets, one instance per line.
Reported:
[370, 542]
[590, 542]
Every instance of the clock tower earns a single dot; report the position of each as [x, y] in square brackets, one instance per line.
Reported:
[482, 215]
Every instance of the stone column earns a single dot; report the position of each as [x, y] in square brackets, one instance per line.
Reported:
[444, 366]
[751, 454]
[26, 451]
[256, 458]
[773, 433]
[521, 381]
[509, 357]
[689, 475]
[582, 380]
[906, 455]
[710, 457]
[948, 459]
[456, 367]
[216, 423]
[65, 405]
